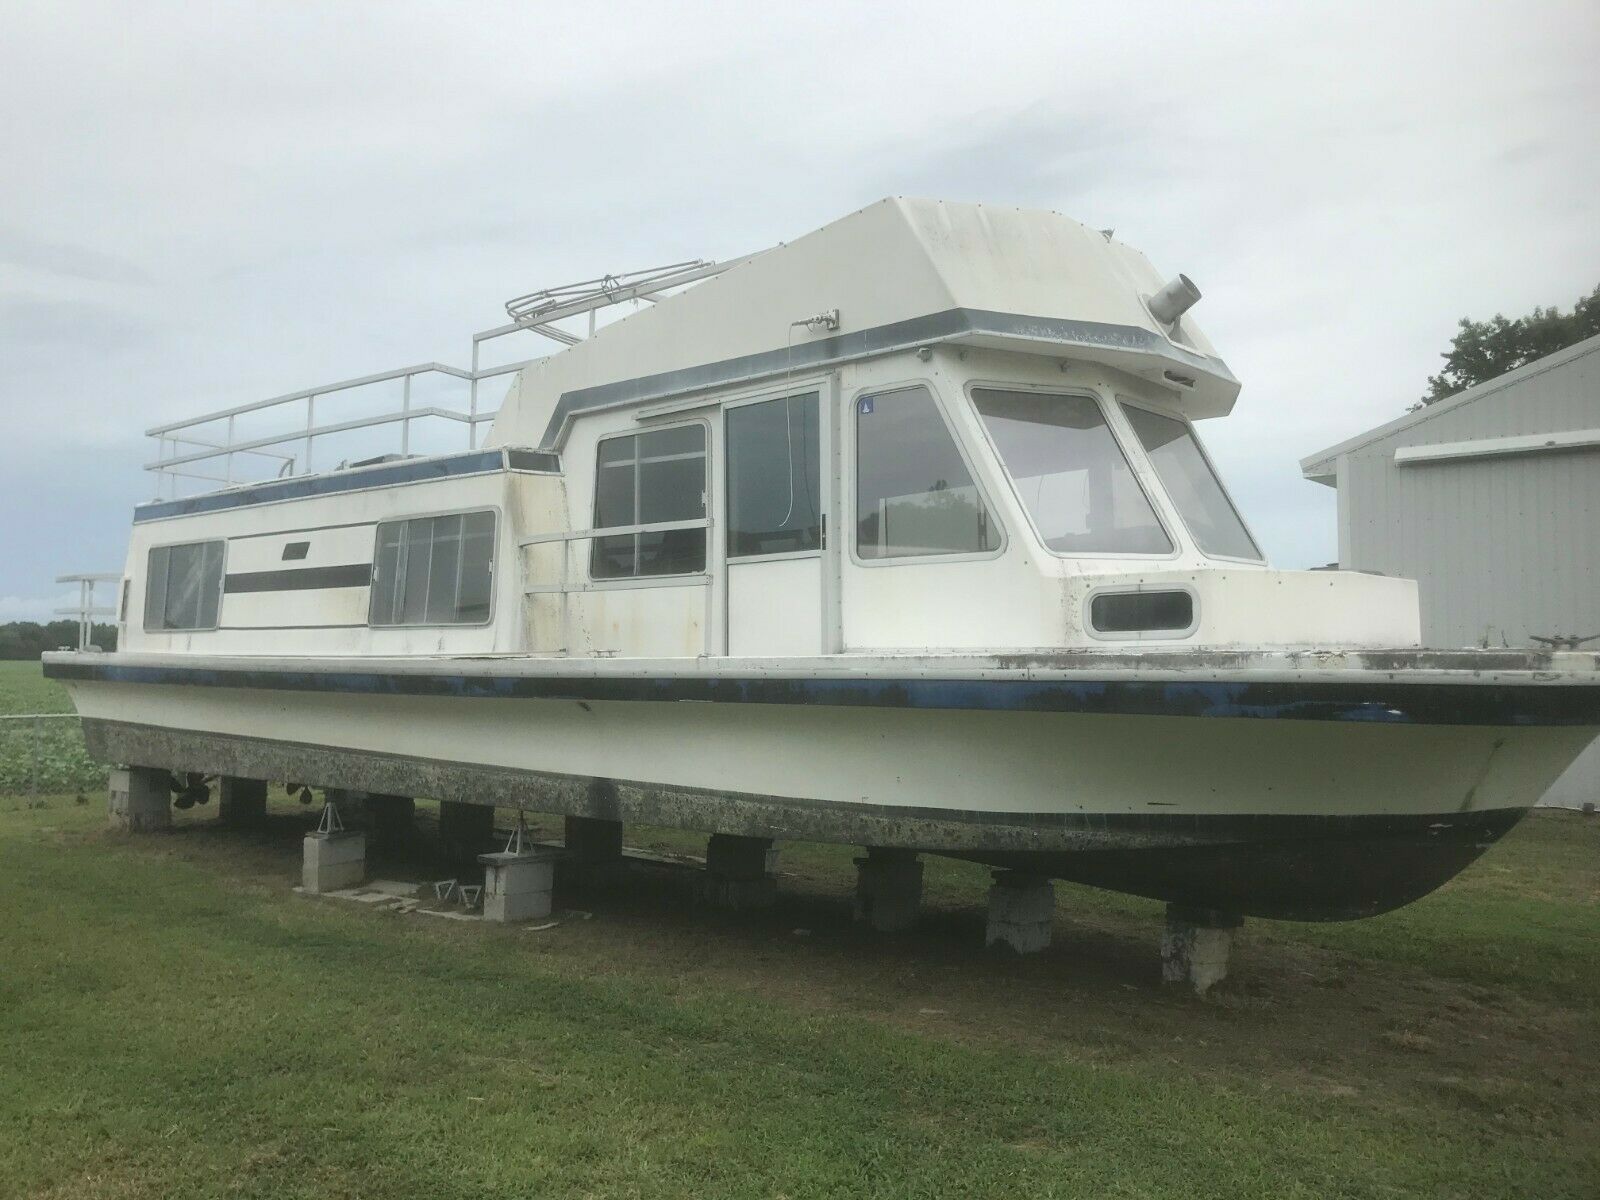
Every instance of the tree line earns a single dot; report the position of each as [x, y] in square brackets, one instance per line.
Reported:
[29, 639]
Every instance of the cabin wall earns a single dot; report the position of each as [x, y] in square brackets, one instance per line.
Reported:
[317, 602]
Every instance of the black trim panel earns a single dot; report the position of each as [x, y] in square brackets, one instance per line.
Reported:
[301, 579]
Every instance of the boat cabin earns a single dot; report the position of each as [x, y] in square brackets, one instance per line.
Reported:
[925, 427]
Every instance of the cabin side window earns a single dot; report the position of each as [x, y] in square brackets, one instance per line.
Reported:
[434, 570]
[1070, 473]
[914, 494]
[774, 473]
[650, 478]
[183, 587]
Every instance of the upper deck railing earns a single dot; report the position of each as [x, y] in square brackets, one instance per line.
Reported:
[86, 610]
[218, 448]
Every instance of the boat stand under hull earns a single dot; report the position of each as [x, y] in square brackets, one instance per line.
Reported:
[1290, 867]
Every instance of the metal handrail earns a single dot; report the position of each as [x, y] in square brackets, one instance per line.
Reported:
[532, 313]
[86, 610]
[564, 538]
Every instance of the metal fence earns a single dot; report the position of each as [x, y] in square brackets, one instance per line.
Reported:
[42, 754]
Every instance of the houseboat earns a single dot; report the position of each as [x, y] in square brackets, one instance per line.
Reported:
[898, 535]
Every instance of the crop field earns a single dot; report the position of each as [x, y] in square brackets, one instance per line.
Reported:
[39, 756]
[176, 1022]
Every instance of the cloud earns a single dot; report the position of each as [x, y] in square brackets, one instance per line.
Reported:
[71, 261]
[212, 206]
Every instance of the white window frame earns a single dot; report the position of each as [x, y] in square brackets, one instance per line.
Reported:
[1140, 635]
[1205, 455]
[222, 583]
[1139, 466]
[597, 532]
[853, 478]
[820, 390]
[494, 568]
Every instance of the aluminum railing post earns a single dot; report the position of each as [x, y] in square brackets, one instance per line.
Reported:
[311, 417]
[405, 421]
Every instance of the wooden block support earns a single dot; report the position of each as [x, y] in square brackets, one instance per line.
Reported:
[591, 840]
[465, 829]
[741, 872]
[888, 889]
[241, 802]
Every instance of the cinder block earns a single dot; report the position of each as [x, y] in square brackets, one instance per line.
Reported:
[1195, 947]
[139, 799]
[331, 861]
[242, 801]
[1021, 912]
[888, 889]
[517, 887]
[516, 906]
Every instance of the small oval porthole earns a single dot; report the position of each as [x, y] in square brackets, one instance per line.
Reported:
[1141, 612]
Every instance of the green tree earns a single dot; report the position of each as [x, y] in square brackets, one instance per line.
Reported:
[1484, 349]
[1487, 349]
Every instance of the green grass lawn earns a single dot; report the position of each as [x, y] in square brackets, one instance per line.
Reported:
[174, 1022]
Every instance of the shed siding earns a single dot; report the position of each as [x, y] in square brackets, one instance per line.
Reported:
[1502, 548]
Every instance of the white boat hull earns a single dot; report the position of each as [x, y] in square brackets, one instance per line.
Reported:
[1321, 799]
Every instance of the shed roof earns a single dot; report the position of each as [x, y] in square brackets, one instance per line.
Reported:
[1321, 466]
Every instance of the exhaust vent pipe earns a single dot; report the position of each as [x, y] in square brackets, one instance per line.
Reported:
[1172, 301]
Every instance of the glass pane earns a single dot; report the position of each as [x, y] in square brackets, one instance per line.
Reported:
[155, 588]
[477, 568]
[386, 575]
[418, 564]
[774, 475]
[1193, 485]
[183, 587]
[914, 495]
[614, 504]
[443, 563]
[672, 487]
[1071, 474]
[210, 585]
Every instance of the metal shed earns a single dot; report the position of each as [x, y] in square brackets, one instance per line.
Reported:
[1490, 500]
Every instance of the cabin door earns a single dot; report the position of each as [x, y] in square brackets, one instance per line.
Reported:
[775, 503]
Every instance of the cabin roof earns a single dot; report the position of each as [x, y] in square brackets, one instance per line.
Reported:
[902, 273]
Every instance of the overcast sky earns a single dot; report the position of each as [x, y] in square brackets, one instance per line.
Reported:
[205, 204]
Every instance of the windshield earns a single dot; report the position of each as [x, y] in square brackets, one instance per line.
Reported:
[1071, 474]
[1181, 464]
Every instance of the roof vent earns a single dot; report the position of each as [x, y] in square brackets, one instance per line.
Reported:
[1172, 301]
